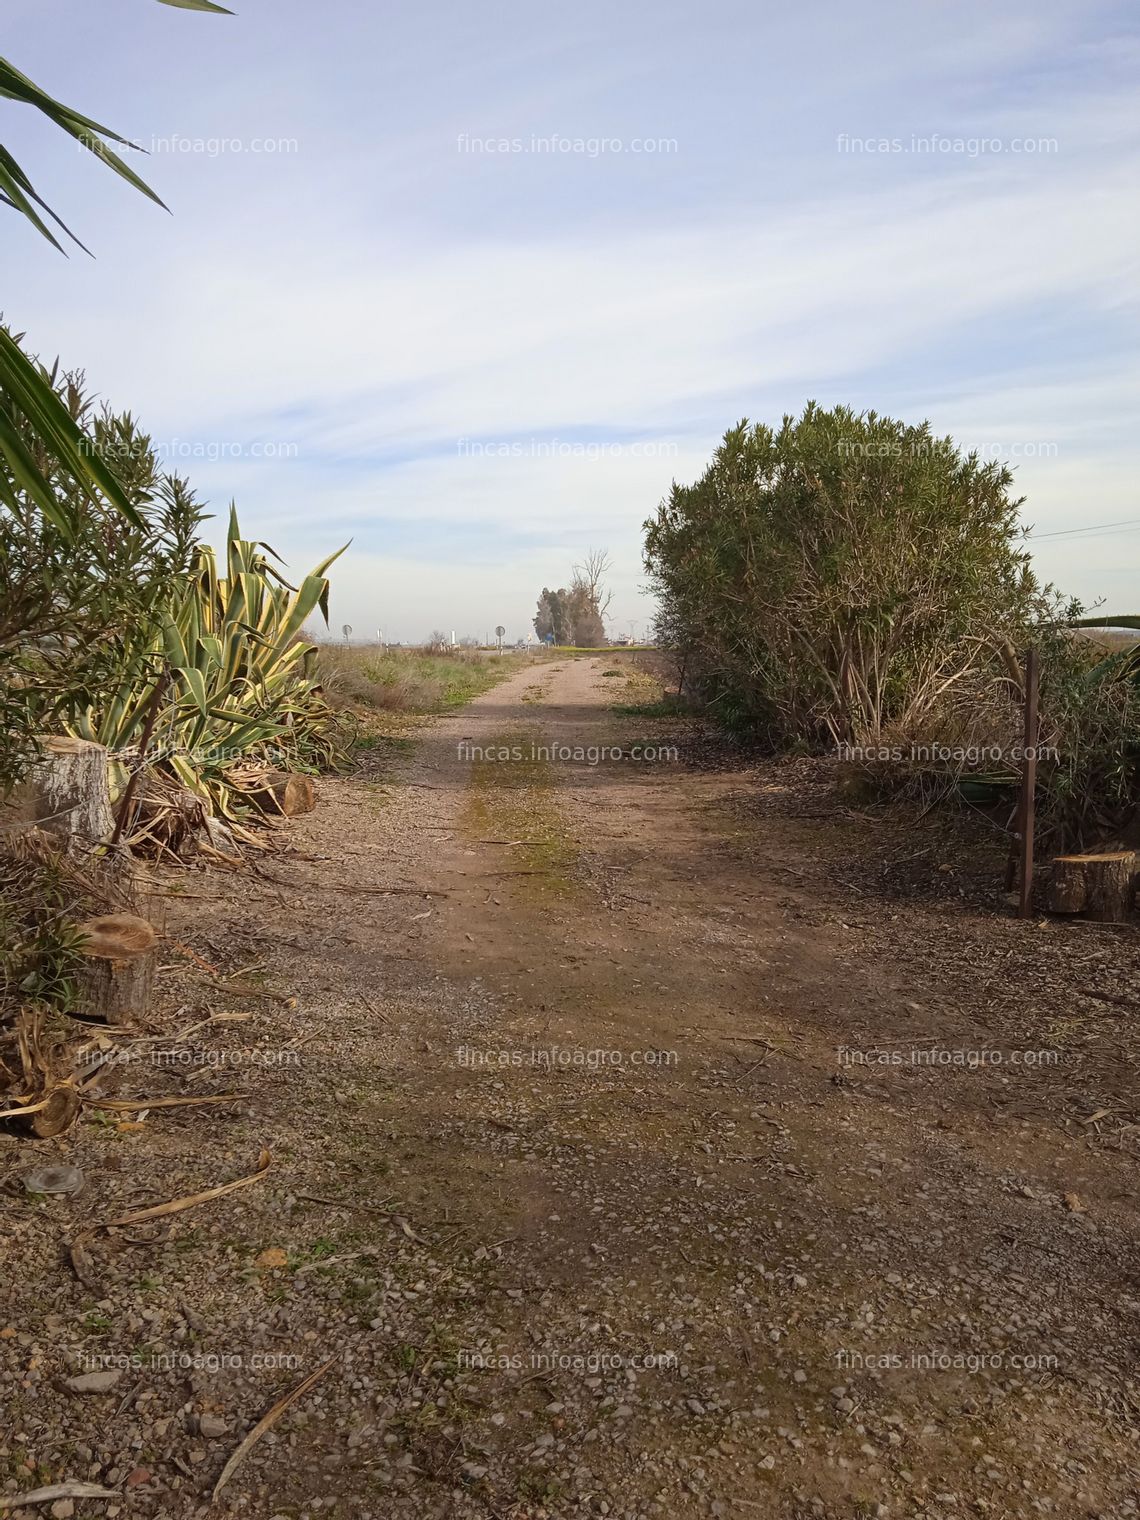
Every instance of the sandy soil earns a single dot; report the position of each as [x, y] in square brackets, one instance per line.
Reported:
[649, 1137]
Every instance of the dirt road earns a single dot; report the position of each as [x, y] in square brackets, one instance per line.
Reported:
[660, 1140]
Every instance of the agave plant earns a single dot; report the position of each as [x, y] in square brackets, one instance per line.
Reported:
[224, 685]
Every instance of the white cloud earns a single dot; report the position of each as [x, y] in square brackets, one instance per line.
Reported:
[352, 302]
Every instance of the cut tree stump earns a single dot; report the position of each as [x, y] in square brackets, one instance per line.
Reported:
[116, 979]
[1099, 887]
[285, 792]
[59, 1113]
[69, 793]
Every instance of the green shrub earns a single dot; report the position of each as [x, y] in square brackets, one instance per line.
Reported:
[81, 587]
[832, 579]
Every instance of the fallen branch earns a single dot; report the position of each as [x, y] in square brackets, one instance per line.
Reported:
[267, 1421]
[1108, 997]
[69, 1490]
[192, 955]
[347, 1203]
[336, 1261]
[78, 1254]
[372, 1009]
[255, 992]
[176, 1205]
[125, 1104]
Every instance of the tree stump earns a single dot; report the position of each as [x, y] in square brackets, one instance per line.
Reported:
[69, 793]
[284, 792]
[1099, 887]
[117, 978]
[59, 1113]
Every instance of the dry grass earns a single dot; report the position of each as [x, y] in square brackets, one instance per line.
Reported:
[411, 680]
[1115, 641]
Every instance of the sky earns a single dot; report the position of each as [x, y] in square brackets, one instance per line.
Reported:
[470, 286]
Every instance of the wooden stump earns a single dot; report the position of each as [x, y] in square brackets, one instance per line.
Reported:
[69, 793]
[117, 978]
[1099, 887]
[59, 1113]
[285, 792]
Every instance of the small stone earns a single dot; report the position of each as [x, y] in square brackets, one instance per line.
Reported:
[95, 1382]
[212, 1426]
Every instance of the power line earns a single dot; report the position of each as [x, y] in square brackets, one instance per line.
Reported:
[1128, 522]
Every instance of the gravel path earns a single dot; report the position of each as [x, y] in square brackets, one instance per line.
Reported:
[604, 1179]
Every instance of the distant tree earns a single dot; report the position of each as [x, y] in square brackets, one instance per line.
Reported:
[553, 617]
[591, 573]
[560, 616]
[575, 614]
[544, 617]
[588, 630]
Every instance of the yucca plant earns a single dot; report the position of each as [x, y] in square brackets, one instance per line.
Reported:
[228, 670]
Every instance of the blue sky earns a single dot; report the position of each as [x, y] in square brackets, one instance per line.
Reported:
[472, 285]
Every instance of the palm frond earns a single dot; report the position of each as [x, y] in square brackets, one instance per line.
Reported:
[25, 388]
